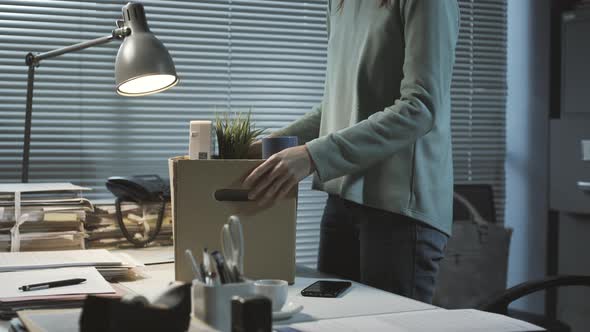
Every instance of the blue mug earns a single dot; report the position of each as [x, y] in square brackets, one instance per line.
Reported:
[272, 145]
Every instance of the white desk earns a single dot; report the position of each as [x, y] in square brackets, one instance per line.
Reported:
[358, 301]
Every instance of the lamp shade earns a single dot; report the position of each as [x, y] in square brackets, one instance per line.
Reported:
[143, 64]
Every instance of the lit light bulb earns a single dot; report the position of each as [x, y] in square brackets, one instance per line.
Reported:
[146, 85]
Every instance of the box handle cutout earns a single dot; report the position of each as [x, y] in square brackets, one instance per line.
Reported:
[232, 195]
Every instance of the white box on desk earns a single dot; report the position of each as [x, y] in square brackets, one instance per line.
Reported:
[198, 215]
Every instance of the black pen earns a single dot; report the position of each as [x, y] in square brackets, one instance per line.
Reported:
[220, 265]
[51, 284]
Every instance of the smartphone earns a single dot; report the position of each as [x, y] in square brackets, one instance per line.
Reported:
[326, 288]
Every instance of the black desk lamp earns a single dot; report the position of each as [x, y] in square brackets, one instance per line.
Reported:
[143, 65]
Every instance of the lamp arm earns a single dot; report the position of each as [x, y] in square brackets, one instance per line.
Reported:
[118, 33]
[33, 61]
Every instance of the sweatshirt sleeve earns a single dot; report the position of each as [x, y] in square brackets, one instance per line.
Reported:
[306, 128]
[430, 30]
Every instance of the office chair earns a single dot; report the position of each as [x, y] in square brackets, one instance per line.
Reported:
[499, 303]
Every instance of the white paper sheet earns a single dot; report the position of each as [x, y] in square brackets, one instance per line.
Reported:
[150, 255]
[94, 284]
[14, 261]
[441, 320]
[39, 187]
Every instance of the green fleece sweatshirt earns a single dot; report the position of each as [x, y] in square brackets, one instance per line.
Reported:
[381, 136]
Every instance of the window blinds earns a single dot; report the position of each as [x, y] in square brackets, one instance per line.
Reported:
[264, 55]
[479, 97]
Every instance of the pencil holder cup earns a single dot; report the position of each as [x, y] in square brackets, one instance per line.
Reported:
[212, 304]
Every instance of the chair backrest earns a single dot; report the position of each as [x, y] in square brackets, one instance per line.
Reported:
[499, 302]
[481, 196]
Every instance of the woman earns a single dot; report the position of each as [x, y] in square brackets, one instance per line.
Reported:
[379, 144]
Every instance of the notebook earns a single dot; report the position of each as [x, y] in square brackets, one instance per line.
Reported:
[16, 261]
[13, 300]
[11, 281]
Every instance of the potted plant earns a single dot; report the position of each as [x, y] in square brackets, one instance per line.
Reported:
[235, 134]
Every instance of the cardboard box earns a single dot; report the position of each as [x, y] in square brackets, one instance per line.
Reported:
[199, 212]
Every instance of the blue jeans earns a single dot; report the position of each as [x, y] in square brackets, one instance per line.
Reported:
[381, 249]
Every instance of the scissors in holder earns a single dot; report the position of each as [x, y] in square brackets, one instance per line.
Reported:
[232, 246]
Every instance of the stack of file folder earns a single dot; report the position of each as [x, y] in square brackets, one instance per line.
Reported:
[26, 268]
[42, 216]
[103, 230]
[13, 300]
[109, 265]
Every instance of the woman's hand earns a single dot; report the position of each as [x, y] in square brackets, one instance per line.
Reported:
[277, 176]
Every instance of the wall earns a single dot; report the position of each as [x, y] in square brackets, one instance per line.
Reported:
[527, 142]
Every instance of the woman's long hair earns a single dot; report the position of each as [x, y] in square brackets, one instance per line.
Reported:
[383, 3]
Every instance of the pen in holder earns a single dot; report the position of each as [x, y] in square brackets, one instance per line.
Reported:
[212, 304]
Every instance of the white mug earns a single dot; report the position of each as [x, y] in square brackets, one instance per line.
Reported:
[274, 289]
[212, 304]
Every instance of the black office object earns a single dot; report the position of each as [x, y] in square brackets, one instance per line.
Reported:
[170, 312]
[51, 284]
[575, 67]
[140, 189]
[326, 288]
[224, 274]
[569, 160]
[252, 314]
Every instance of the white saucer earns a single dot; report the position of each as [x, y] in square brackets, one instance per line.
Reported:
[287, 311]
